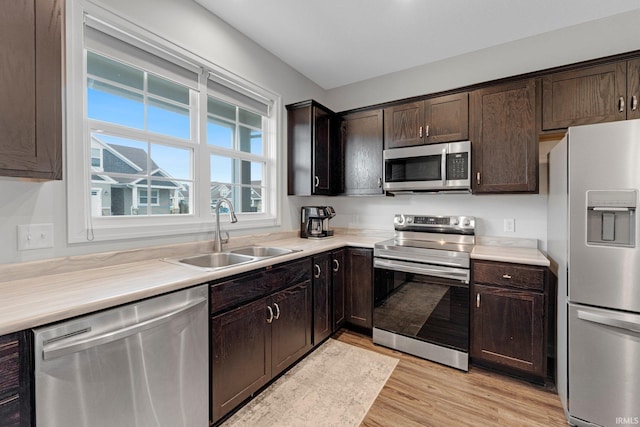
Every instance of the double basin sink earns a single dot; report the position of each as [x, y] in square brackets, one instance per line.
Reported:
[234, 257]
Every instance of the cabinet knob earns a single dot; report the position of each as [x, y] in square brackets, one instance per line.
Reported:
[336, 265]
[621, 104]
[277, 316]
[270, 319]
[318, 271]
[506, 276]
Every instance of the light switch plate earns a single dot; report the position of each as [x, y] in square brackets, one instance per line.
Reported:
[35, 236]
[509, 225]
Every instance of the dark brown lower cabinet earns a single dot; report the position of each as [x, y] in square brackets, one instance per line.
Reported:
[253, 343]
[322, 321]
[359, 295]
[508, 329]
[338, 285]
[15, 380]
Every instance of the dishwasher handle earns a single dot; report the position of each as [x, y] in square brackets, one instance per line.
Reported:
[111, 336]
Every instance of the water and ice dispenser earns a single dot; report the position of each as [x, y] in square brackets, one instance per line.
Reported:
[611, 217]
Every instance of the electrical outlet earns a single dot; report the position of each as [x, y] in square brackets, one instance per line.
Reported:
[35, 236]
[509, 225]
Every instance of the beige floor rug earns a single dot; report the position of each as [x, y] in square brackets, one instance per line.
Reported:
[334, 386]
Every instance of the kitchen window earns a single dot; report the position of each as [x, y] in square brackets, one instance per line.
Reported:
[158, 135]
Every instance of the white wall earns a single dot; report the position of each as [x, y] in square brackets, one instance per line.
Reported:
[187, 24]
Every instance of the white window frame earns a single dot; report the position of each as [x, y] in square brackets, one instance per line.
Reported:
[82, 226]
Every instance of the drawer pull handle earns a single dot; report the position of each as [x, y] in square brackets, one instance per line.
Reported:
[270, 319]
[506, 276]
[277, 316]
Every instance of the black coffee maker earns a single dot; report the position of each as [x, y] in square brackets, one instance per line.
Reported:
[314, 222]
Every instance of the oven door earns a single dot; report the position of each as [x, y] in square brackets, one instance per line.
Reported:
[423, 310]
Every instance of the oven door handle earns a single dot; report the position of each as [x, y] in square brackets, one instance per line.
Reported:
[410, 267]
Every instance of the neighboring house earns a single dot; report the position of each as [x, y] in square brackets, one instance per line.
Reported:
[112, 195]
[251, 196]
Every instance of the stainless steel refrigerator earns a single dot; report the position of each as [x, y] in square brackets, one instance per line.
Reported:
[594, 181]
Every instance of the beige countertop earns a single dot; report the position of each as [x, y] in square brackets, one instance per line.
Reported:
[48, 291]
[46, 298]
[518, 251]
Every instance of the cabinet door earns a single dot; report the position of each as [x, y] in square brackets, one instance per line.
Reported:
[589, 95]
[30, 89]
[291, 326]
[15, 379]
[504, 138]
[633, 89]
[508, 328]
[362, 139]
[404, 125]
[338, 282]
[322, 319]
[321, 152]
[241, 355]
[447, 118]
[360, 288]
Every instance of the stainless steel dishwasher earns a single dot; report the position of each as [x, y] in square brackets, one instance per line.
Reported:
[142, 364]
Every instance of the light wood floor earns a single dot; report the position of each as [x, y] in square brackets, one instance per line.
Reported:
[423, 393]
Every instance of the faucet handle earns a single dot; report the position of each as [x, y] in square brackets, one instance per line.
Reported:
[225, 239]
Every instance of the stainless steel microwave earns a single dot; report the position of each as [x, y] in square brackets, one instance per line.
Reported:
[434, 167]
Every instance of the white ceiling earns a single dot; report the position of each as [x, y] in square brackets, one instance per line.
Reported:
[338, 42]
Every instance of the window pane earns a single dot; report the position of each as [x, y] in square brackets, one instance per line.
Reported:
[172, 162]
[168, 89]
[221, 169]
[114, 105]
[168, 119]
[122, 155]
[249, 118]
[220, 133]
[250, 140]
[221, 109]
[99, 66]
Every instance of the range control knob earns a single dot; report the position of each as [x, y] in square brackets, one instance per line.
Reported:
[399, 219]
[410, 219]
[466, 222]
[456, 221]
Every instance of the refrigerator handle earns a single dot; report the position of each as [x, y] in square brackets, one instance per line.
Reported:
[118, 334]
[609, 321]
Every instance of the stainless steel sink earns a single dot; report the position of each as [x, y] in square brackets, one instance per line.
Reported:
[262, 251]
[215, 260]
[219, 260]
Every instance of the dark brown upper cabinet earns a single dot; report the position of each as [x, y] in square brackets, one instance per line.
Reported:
[633, 89]
[31, 89]
[314, 150]
[589, 95]
[362, 139]
[404, 125]
[447, 118]
[504, 138]
[440, 119]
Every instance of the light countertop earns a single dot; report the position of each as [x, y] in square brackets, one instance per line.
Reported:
[46, 298]
[48, 291]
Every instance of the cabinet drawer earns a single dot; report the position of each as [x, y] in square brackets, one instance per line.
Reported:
[289, 274]
[10, 411]
[237, 291]
[9, 367]
[507, 274]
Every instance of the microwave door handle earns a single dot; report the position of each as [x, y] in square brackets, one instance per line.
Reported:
[443, 167]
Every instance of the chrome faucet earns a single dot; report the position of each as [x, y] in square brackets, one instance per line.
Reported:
[217, 242]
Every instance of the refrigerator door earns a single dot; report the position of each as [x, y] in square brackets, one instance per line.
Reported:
[604, 258]
[604, 373]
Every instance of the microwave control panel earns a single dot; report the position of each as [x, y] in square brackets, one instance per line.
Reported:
[457, 166]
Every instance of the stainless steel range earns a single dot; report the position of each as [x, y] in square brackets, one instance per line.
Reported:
[421, 290]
